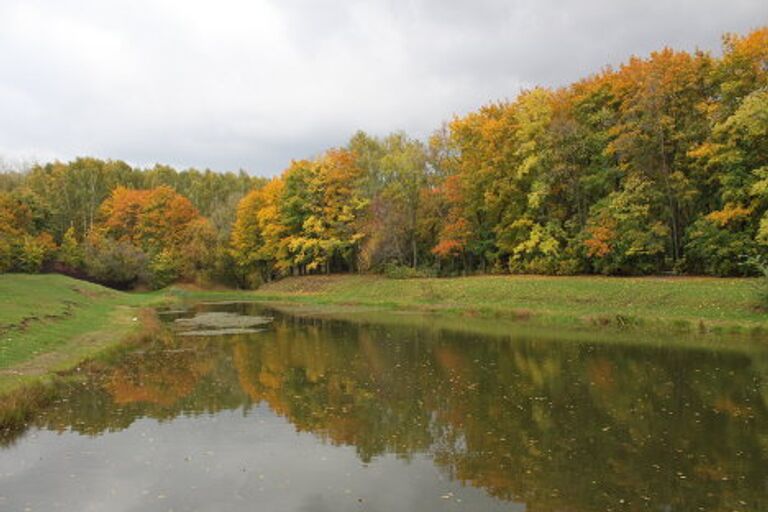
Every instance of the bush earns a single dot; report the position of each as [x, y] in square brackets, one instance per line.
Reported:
[164, 269]
[253, 280]
[70, 252]
[115, 263]
[34, 252]
[718, 251]
[222, 268]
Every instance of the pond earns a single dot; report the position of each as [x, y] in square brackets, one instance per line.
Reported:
[300, 414]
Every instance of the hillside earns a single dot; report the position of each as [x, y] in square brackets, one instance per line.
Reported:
[50, 322]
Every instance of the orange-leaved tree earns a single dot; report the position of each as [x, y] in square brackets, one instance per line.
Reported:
[164, 225]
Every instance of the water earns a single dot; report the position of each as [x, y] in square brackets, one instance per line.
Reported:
[408, 415]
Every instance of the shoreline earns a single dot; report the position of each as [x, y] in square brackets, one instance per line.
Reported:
[695, 306]
[37, 349]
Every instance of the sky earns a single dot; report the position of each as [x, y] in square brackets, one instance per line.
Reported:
[252, 84]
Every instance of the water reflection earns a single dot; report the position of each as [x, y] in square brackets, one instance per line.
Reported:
[553, 425]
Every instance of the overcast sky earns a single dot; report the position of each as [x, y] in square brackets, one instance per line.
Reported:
[250, 84]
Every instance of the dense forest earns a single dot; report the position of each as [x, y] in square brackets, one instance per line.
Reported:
[659, 165]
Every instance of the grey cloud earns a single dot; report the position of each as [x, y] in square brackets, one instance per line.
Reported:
[251, 84]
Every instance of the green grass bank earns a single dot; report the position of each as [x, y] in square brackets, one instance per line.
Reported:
[51, 322]
[693, 304]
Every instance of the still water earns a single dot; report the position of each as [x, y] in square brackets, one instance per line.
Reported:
[319, 415]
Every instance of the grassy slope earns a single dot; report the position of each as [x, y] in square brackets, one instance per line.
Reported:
[690, 303]
[51, 322]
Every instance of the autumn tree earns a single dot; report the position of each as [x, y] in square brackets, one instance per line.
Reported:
[161, 223]
[257, 234]
[625, 234]
[321, 208]
[661, 118]
[395, 175]
[24, 245]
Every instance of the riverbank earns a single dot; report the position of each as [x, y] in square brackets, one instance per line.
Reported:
[698, 305]
[49, 323]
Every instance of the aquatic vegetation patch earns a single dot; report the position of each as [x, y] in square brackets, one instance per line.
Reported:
[219, 323]
[220, 332]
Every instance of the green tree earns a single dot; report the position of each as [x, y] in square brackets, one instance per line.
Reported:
[395, 169]
[70, 251]
[626, 236]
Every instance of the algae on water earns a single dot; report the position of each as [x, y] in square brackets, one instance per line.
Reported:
[220, 332]
[218, 323]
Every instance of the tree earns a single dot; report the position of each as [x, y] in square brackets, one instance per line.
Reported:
[625, 235]
[742, 70]
[164, 225]
[15, 218]
[331, 217]
[256, 234]
[660, 120]
[70, 252]
[736, 155]
[395, 173]
[24, 247]
[657, 165]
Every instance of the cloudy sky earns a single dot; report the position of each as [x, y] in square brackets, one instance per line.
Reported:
[250, 84]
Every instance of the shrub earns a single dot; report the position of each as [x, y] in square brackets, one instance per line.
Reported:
[116, 263]
[715, 250]
[222, 268]
[164, 269]
[34, 252]
[70, 252]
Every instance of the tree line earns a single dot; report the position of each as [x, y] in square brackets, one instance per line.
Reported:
[119, 225]
[659, 165]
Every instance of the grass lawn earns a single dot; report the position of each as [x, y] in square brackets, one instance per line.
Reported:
[51, 322]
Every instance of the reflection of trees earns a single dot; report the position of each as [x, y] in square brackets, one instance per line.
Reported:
[161, 380]
[608, 424]
[560, 426]
[340, 389]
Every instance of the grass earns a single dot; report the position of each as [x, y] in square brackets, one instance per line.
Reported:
[51, 322]
[697, 304]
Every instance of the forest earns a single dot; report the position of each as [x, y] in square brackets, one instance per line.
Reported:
[659, 165]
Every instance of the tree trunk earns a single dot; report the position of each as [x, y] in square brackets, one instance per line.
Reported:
[670, 200]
